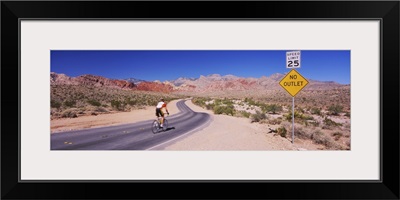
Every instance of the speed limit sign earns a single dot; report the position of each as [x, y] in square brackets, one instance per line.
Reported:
[293, 59]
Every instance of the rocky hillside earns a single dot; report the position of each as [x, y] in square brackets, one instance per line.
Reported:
[89, 80]
[229, 82]
[204, 84]
[155, 87]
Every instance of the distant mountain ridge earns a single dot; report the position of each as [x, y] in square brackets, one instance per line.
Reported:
[134, 80]
[89, 80]
[203, 84]
[178, 82]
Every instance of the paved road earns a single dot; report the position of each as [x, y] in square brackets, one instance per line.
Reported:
[135, 136]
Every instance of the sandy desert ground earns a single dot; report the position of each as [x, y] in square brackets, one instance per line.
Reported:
[223, 133]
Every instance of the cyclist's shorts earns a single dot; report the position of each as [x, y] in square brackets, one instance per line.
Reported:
[159, 113]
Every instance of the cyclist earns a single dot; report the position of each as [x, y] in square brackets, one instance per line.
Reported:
[160, 110]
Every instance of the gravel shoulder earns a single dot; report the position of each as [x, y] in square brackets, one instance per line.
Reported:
[111, 119]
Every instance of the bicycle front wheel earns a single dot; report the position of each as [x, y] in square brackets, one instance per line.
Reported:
[165, 124]
[155, 126]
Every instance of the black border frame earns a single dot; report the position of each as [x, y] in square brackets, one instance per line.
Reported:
[386, 11]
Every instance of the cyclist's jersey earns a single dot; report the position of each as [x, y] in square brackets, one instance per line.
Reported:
[161, 105]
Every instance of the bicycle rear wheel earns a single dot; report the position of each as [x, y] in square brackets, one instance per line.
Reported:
[155, 127]
[165, 125]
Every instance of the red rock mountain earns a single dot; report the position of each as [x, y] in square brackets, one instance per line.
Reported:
[154, 86]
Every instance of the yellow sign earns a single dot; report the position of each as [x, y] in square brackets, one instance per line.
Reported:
[293, 82]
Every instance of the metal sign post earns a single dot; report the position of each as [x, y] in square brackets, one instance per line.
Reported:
[293, 82]
[292, 120]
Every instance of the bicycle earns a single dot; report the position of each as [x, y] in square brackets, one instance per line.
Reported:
[156, 125]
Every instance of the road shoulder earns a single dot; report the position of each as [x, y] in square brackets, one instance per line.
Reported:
[85, 122]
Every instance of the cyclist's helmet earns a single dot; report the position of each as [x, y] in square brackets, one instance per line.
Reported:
[162, 99]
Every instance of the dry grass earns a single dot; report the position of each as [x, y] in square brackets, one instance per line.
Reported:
[69, 101]
[331, 140]
[307, 99]
[311, 123]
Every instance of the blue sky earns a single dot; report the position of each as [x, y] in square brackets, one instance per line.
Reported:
[324, 65]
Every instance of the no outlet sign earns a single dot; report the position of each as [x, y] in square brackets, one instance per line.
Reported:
[293, 82]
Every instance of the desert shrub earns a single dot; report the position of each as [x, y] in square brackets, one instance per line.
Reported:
[337, 135]
[227, 102]
[55, 104]
[244, 114]
[149, 102]
[335, 109]
[275, 121]
[250, 101]
[55, 115]
[229, 110]
[288, 116]
[299, 130]
[347, 114]
[282, 131]
[328, 123]
[298, 117]
[210, 106]
[300, 110]
[274, 108]
[302, 132]
[315, 111]
[70, 113]
[307, 117]
[130, 102]
[94, 102]
[320, 138]
[100, 109]
[312, 123]
[69, 103]
[200, 101]
[218, 110]
[258, 116]
[116, 104]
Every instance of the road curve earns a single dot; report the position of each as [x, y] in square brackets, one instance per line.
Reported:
[135, 136]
